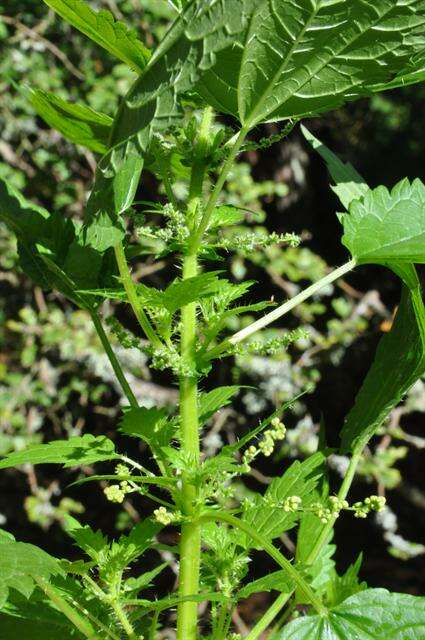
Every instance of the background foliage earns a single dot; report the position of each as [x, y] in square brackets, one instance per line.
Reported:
[54, 378]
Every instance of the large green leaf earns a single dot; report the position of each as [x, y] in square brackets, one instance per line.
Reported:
[76, 122]
[350, 186]
[387, 226]
[399, 362]
[82, 450]
[259, 60]
[102, 28]
[153, 105]
[374, 614]
[266, 514]
[50, 248]
[20, 563]
[302, 57]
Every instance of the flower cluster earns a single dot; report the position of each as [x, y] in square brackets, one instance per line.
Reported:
[372, 503]
[124, 337]
[292, 504]
[117, 492]
[267, 443]
[252, 241]
[165, 517]
[334, 505]
[271, 346]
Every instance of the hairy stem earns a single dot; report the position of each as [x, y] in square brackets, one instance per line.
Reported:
[113, 359]
[215, 194]
[274, 553]
[190, 540]
[80, 623]
[291, 304]
[133, 299]
[124, 621]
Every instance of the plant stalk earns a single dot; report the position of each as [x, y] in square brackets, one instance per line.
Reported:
[131, 292]
[215, 194]
[292, 303]
[113, 359]
[80, 623]
[190, 539]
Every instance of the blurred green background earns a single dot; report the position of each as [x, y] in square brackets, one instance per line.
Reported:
[55, 380]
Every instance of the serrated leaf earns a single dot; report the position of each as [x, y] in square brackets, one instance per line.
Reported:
[30, 615]
[387, 226]
[299, 480]
[348, 584]
[20, 563]
[225, 216]
[151, 425]
[276, 581]
[144, 580]
[76, 122]
[212, 401]
[102, 28]
[182, 292]
[83, 450]
[350, 186]
[50, 250]
[94, 543]
[303, 57]
[398, 363]
[374, 614]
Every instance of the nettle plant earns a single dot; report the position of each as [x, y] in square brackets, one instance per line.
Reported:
[256, 61]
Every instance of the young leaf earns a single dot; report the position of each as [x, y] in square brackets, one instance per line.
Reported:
[399, 362]
[76, 122]
[92, 542]
[102, 28]
[20, 563]
[82, 450]
[151, 425]
[182, 292]
[214, 400]
[276, 581]
[342, 587]
[266, 514]
[387, 226]
[144, 581]
[374, 613]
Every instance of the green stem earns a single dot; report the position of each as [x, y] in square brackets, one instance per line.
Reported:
[280, 602]
[113, 359]
[190, 539]
[265, 620]
[212, 201]
[133, 299]
[290, 304]
[124, 621]
[80, 623]
[274, 553]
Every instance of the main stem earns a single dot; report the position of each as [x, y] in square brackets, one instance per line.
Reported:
[190, 540]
